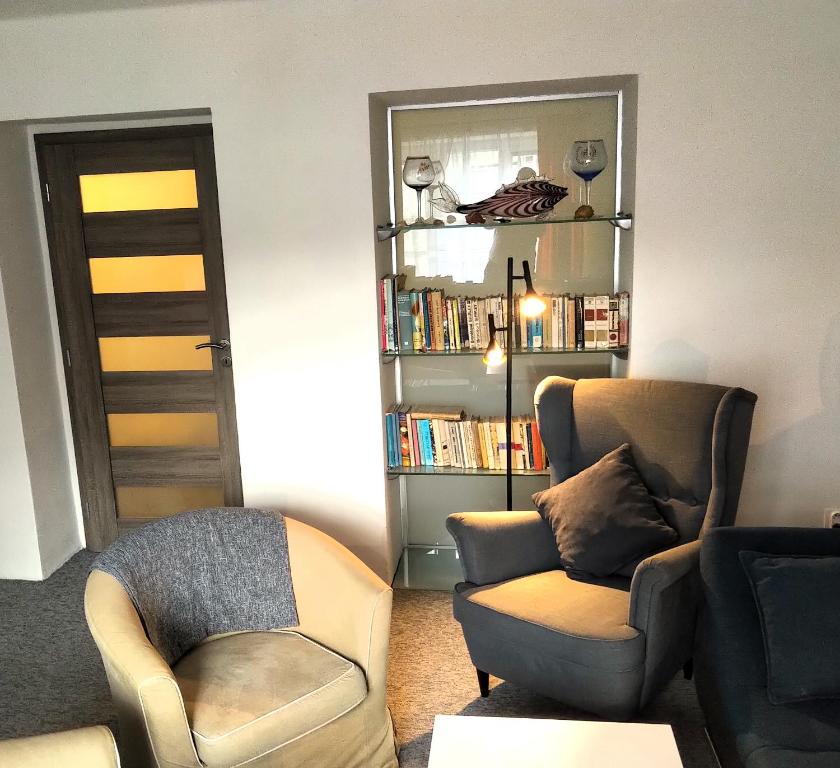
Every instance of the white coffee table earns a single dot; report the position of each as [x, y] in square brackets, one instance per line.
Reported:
[493, 742]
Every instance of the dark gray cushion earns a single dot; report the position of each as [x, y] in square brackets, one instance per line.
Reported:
[798, 604]
[566, 639]
[779, 757]
[603, 518]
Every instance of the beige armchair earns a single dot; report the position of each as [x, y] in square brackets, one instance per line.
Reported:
[83, 748]
[312, 696]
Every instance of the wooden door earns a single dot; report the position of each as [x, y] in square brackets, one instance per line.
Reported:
[135, 247]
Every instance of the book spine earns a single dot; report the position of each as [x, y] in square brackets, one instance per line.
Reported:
[524, 338]
[405, 325]
[404, 449]
[475, 428]
[538, 332]
[416, 322]
[468, 433]
[434, 320]
[623, 318]
[428, 320]
[602, 322]
[439, 320]
[613, 337]
[393, 433]
[529, 438]
[501, 432]
[564, 321]
[451, 434]
[424, 433]
[383, 333]
[390, 340]
[449, 336]
[488, 442]
[539, 463]
[516, 444]
[482, 444]
[547, 323]
[415, 440]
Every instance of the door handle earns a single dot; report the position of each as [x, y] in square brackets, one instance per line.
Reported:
[220, 344]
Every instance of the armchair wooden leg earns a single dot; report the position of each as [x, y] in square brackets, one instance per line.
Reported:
[688, 669]
[483, 683]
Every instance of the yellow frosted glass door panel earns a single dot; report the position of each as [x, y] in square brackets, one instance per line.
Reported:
[146, 191]
[161, 501]
[155, 353]
[147, 274]
[183, 429]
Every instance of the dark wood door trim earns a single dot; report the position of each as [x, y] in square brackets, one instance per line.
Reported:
[73, 238]
[209, 220]
[175, 232]
[71, 281]
[159, 392]
[176, 313]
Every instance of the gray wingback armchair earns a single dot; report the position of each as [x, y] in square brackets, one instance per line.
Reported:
[604, 645]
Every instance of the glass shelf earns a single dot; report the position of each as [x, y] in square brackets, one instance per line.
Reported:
[462, 471]
[620, 351]
[621, 220]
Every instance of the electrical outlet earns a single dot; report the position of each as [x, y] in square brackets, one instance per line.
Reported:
[831, 517]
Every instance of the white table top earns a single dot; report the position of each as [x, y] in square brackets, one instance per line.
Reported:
[493, 742]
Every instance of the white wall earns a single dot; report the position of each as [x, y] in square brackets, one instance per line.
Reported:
[736, 267]
[44, 454]
[19, 554]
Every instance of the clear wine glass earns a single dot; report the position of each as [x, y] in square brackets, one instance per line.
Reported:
[587, 159]
[418, 173]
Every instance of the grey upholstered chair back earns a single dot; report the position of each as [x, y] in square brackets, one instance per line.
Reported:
[689, 440]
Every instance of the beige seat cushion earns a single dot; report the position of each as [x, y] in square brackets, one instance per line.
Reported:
[249, 693]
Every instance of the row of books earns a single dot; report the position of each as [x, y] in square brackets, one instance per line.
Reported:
[426, 320]
[445, 437]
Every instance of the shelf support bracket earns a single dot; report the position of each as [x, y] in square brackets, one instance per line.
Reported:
[625, 224]
[386, 232]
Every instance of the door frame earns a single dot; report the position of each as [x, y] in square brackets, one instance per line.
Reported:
[190, 146]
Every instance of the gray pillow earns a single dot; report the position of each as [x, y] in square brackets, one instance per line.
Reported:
[603, 517]
[799, 606]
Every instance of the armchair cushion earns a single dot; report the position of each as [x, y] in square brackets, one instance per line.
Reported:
[249, 693]
[562, 637]
[603, 517]
[555, 614]
[799, 610]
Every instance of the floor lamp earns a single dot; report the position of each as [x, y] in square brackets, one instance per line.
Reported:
[531, 306]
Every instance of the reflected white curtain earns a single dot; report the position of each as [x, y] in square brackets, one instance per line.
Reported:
[477, 160]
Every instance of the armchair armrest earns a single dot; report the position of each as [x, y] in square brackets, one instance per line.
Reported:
[657, 573]
[342, 604]
[92, 747]
[145, 691]
[664, 597]
[497, 546]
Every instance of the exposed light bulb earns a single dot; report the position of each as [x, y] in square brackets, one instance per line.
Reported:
[532, 305]
[494, 355]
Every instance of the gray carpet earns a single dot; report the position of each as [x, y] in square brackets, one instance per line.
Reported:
[51, 677]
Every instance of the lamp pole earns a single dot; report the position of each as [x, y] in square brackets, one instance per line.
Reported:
[532, 306]
[508, 383]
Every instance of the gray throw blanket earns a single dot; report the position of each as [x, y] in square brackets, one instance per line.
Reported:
[203, 573]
